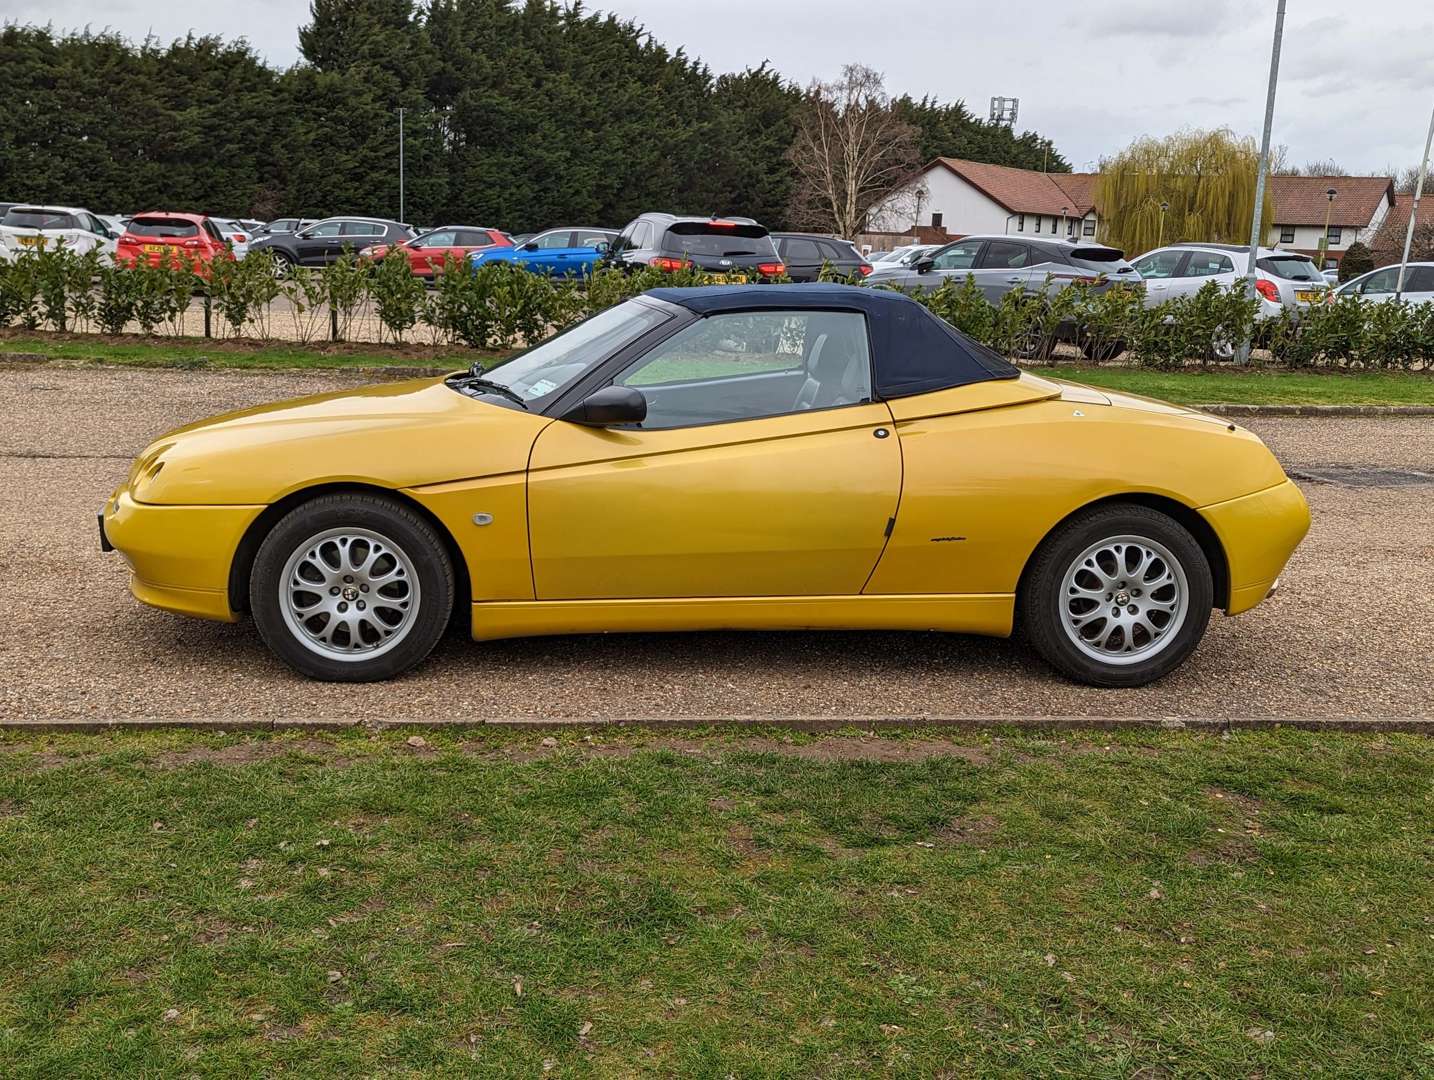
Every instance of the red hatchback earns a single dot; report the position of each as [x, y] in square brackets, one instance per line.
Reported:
[427, 252]
[172, 239]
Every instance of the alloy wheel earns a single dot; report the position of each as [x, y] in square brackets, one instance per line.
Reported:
[1123, 599]
[349, 594]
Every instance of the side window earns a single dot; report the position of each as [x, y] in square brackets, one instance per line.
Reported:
[94, 225]
[749, 365]
[361, 228]
[834, 252]
[799, 249]
[1207, 264]
[326, 228]
[625, 238]
[1419, 279]
[590, 239]
[442, 238]
[1158, 264]
[554, 240]
[642, 235]
[957, 257]
[1004, 255]
[213, 231]
[1383, 281]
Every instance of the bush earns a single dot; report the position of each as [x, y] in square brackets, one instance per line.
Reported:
[398, 294]
[1358, 259]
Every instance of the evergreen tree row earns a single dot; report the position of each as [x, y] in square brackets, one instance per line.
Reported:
[517, 114]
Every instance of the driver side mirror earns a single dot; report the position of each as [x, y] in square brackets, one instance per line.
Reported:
[530, 246]
[602, 247]
[610, 405]
[925, 266]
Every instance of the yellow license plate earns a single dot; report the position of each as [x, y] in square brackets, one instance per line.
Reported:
[30, 241]
[153, 249]
[1306, 296]
[722, 278]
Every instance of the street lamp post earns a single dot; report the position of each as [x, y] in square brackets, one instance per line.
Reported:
[1414, 209]
[1065, 229]
[1160, 236]
[1324, 240]
[400, 164]
[1242, 353]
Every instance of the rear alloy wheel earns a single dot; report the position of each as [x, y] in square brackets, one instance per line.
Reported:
[283, 265]
[351, 588]
[1118, 596]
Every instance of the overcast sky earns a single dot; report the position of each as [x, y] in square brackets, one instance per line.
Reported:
[1354, 81]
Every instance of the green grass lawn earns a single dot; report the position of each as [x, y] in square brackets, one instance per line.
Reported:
[1257, 386]
[207, 353]
[1195, 387]
[1143, 904]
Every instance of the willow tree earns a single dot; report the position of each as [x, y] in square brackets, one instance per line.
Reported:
[1204, 179]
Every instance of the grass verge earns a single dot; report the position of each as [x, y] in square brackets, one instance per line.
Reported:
[1143, 904]
[135, 351]
[1194, 387]
[1256, 386]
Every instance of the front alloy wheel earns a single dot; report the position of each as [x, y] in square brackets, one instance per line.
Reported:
[351, 588]
[1118, 596]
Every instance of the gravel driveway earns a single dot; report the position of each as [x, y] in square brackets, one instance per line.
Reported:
[1351, 633]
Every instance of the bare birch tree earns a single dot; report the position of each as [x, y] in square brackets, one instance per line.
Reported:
[850, 153]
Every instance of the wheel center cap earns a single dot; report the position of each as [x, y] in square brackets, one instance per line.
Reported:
[350, 593]
[1122, 598]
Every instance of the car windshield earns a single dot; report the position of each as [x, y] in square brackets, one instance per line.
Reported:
[546, 369]
[162, 228]
[1290, 267]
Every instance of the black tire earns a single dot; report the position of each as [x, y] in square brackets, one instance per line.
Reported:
[1047, 604]
[283, 264]
[415, 552]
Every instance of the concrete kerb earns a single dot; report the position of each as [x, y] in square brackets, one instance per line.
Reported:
[806, 724]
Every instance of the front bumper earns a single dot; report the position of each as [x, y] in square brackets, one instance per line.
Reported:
[180, 555]
[1259, 532]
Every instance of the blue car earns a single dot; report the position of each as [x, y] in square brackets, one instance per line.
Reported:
[564, 252]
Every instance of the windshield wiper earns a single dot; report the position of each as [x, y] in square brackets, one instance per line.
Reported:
[496, 388]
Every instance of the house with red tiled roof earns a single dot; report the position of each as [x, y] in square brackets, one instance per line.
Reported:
[963, 197]
[1358, 209]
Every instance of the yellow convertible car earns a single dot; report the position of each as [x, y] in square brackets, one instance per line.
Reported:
[730, 457]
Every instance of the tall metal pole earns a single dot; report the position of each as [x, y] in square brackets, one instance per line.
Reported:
[1242, 354]
[400, 162]
[1414, 208]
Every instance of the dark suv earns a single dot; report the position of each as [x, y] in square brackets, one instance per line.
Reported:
[325, 241]
[720, 246]
[804, 255]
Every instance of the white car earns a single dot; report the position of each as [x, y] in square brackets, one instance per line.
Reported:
[234, 232]
[1378, 285]
[902, 256]
[1283, 279]
[25, 226]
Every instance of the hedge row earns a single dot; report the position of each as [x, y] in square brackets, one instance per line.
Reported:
[500, 307]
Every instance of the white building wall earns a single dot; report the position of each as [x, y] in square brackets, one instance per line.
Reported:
[963, 209]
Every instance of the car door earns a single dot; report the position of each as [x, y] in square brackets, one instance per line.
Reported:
[763, 469]
[1004, 265]
[1200, 267]
[1159, 270]
[97, 237]
[955, 262]
[428, 254]
[801, 256]
[542, 254]
[318, 245]
[588, 247]
[1419, 284]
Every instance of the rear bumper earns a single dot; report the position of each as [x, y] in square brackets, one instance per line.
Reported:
[180, 555]
[1258, 532]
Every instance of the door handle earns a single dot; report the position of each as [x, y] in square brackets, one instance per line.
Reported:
[1014, 280]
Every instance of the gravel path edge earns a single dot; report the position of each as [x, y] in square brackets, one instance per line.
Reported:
[1407, 724]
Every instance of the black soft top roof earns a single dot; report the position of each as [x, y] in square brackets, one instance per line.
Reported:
[913, 351]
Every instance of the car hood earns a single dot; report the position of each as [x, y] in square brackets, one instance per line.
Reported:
[395, 435]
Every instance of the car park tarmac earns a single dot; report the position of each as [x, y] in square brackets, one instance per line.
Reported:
[1347, 636]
